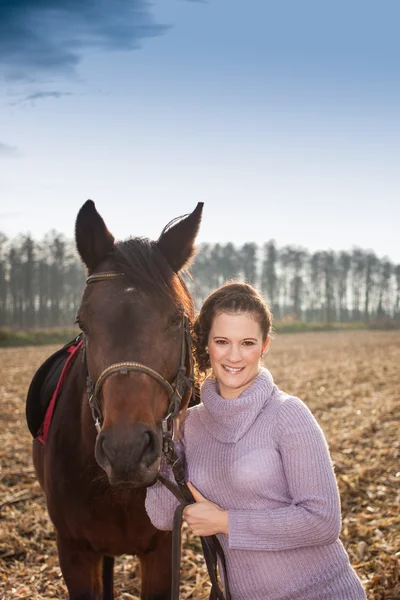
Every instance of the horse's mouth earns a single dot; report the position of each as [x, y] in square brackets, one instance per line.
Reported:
[139, 478]
[121, 484]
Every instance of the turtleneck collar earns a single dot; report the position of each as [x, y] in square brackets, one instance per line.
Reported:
[227, 420]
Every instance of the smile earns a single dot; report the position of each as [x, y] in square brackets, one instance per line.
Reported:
[233, 370]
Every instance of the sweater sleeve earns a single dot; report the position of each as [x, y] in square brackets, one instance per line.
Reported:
[313, 516]
[160, 503]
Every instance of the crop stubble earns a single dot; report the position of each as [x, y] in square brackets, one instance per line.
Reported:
[350, 381]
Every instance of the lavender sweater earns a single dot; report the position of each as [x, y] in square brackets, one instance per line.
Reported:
[264, 458]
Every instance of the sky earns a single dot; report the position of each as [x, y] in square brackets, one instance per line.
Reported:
[282, 117]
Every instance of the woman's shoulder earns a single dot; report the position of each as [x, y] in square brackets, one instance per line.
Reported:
[293, 413]
[290, 402]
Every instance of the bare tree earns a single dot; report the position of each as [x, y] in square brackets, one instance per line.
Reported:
[343, 270]
[269, 277]
[329, 278]
[358, 279]
[15, 287]
[248, 257]
[28, 272]
[371, 262]
[384, 305]
[3, 280]
[397, 300]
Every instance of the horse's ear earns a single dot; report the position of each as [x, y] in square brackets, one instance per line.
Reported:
[93, 240]
[176, 242]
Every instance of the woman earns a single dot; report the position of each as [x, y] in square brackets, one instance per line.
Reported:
[258, 466]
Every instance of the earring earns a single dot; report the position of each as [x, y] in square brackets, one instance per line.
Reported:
[206, 349]
[262, 355]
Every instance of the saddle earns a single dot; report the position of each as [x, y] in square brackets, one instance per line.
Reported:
[45, 387]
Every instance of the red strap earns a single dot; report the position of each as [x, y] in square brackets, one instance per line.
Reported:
[72, 350]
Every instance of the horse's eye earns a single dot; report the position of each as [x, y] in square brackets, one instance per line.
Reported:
[80, 325]
[176, 319]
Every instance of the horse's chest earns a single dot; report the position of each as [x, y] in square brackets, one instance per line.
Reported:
[118, 532]
[112, 525]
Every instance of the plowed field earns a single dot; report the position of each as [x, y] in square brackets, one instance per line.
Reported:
[351, 382]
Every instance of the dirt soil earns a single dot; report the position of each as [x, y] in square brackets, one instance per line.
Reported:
[350, 381]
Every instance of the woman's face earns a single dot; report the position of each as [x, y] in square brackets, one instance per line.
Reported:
[235, 344]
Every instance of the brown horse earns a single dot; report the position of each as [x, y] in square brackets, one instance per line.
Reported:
[95, 480]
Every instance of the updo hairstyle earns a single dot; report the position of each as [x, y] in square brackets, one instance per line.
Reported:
[230, 298]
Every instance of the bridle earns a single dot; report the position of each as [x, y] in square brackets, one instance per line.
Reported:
[183, 383]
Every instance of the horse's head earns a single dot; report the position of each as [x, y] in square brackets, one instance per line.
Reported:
[134, 316]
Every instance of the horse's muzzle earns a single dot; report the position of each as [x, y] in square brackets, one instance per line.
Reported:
[129, 455]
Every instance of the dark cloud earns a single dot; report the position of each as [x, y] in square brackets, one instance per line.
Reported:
[33, 98]
[7, 150]
[39, 37]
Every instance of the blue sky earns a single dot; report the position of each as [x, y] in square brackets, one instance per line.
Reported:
[284, 118]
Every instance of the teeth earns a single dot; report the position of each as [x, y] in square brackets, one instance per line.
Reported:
[233, 369]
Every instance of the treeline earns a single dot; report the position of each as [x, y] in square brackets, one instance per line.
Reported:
[323, 286]
[41, 282]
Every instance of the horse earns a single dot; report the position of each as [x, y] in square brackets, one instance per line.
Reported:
[101, 454]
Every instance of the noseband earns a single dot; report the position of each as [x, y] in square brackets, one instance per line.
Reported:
[176, 390]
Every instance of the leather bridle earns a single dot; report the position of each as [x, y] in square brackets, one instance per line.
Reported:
[183, 383]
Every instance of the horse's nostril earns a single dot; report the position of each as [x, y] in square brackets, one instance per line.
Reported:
[108, 448]
[150, 448]
[150, 441]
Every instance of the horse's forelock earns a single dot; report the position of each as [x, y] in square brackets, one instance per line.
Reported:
[142, 262]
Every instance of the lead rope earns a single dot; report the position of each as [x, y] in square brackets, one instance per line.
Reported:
[212, 548]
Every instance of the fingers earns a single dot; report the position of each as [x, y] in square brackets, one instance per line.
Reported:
[195, 492]
[192, 520]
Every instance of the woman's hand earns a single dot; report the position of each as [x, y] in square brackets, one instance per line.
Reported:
[204, 517]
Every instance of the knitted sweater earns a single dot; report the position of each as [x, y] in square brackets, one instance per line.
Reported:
[264, 458]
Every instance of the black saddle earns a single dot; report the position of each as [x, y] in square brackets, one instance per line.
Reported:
[43, 386]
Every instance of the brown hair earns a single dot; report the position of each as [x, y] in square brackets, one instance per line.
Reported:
[236, 297]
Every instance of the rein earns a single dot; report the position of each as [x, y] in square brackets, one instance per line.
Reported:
[176, 390]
